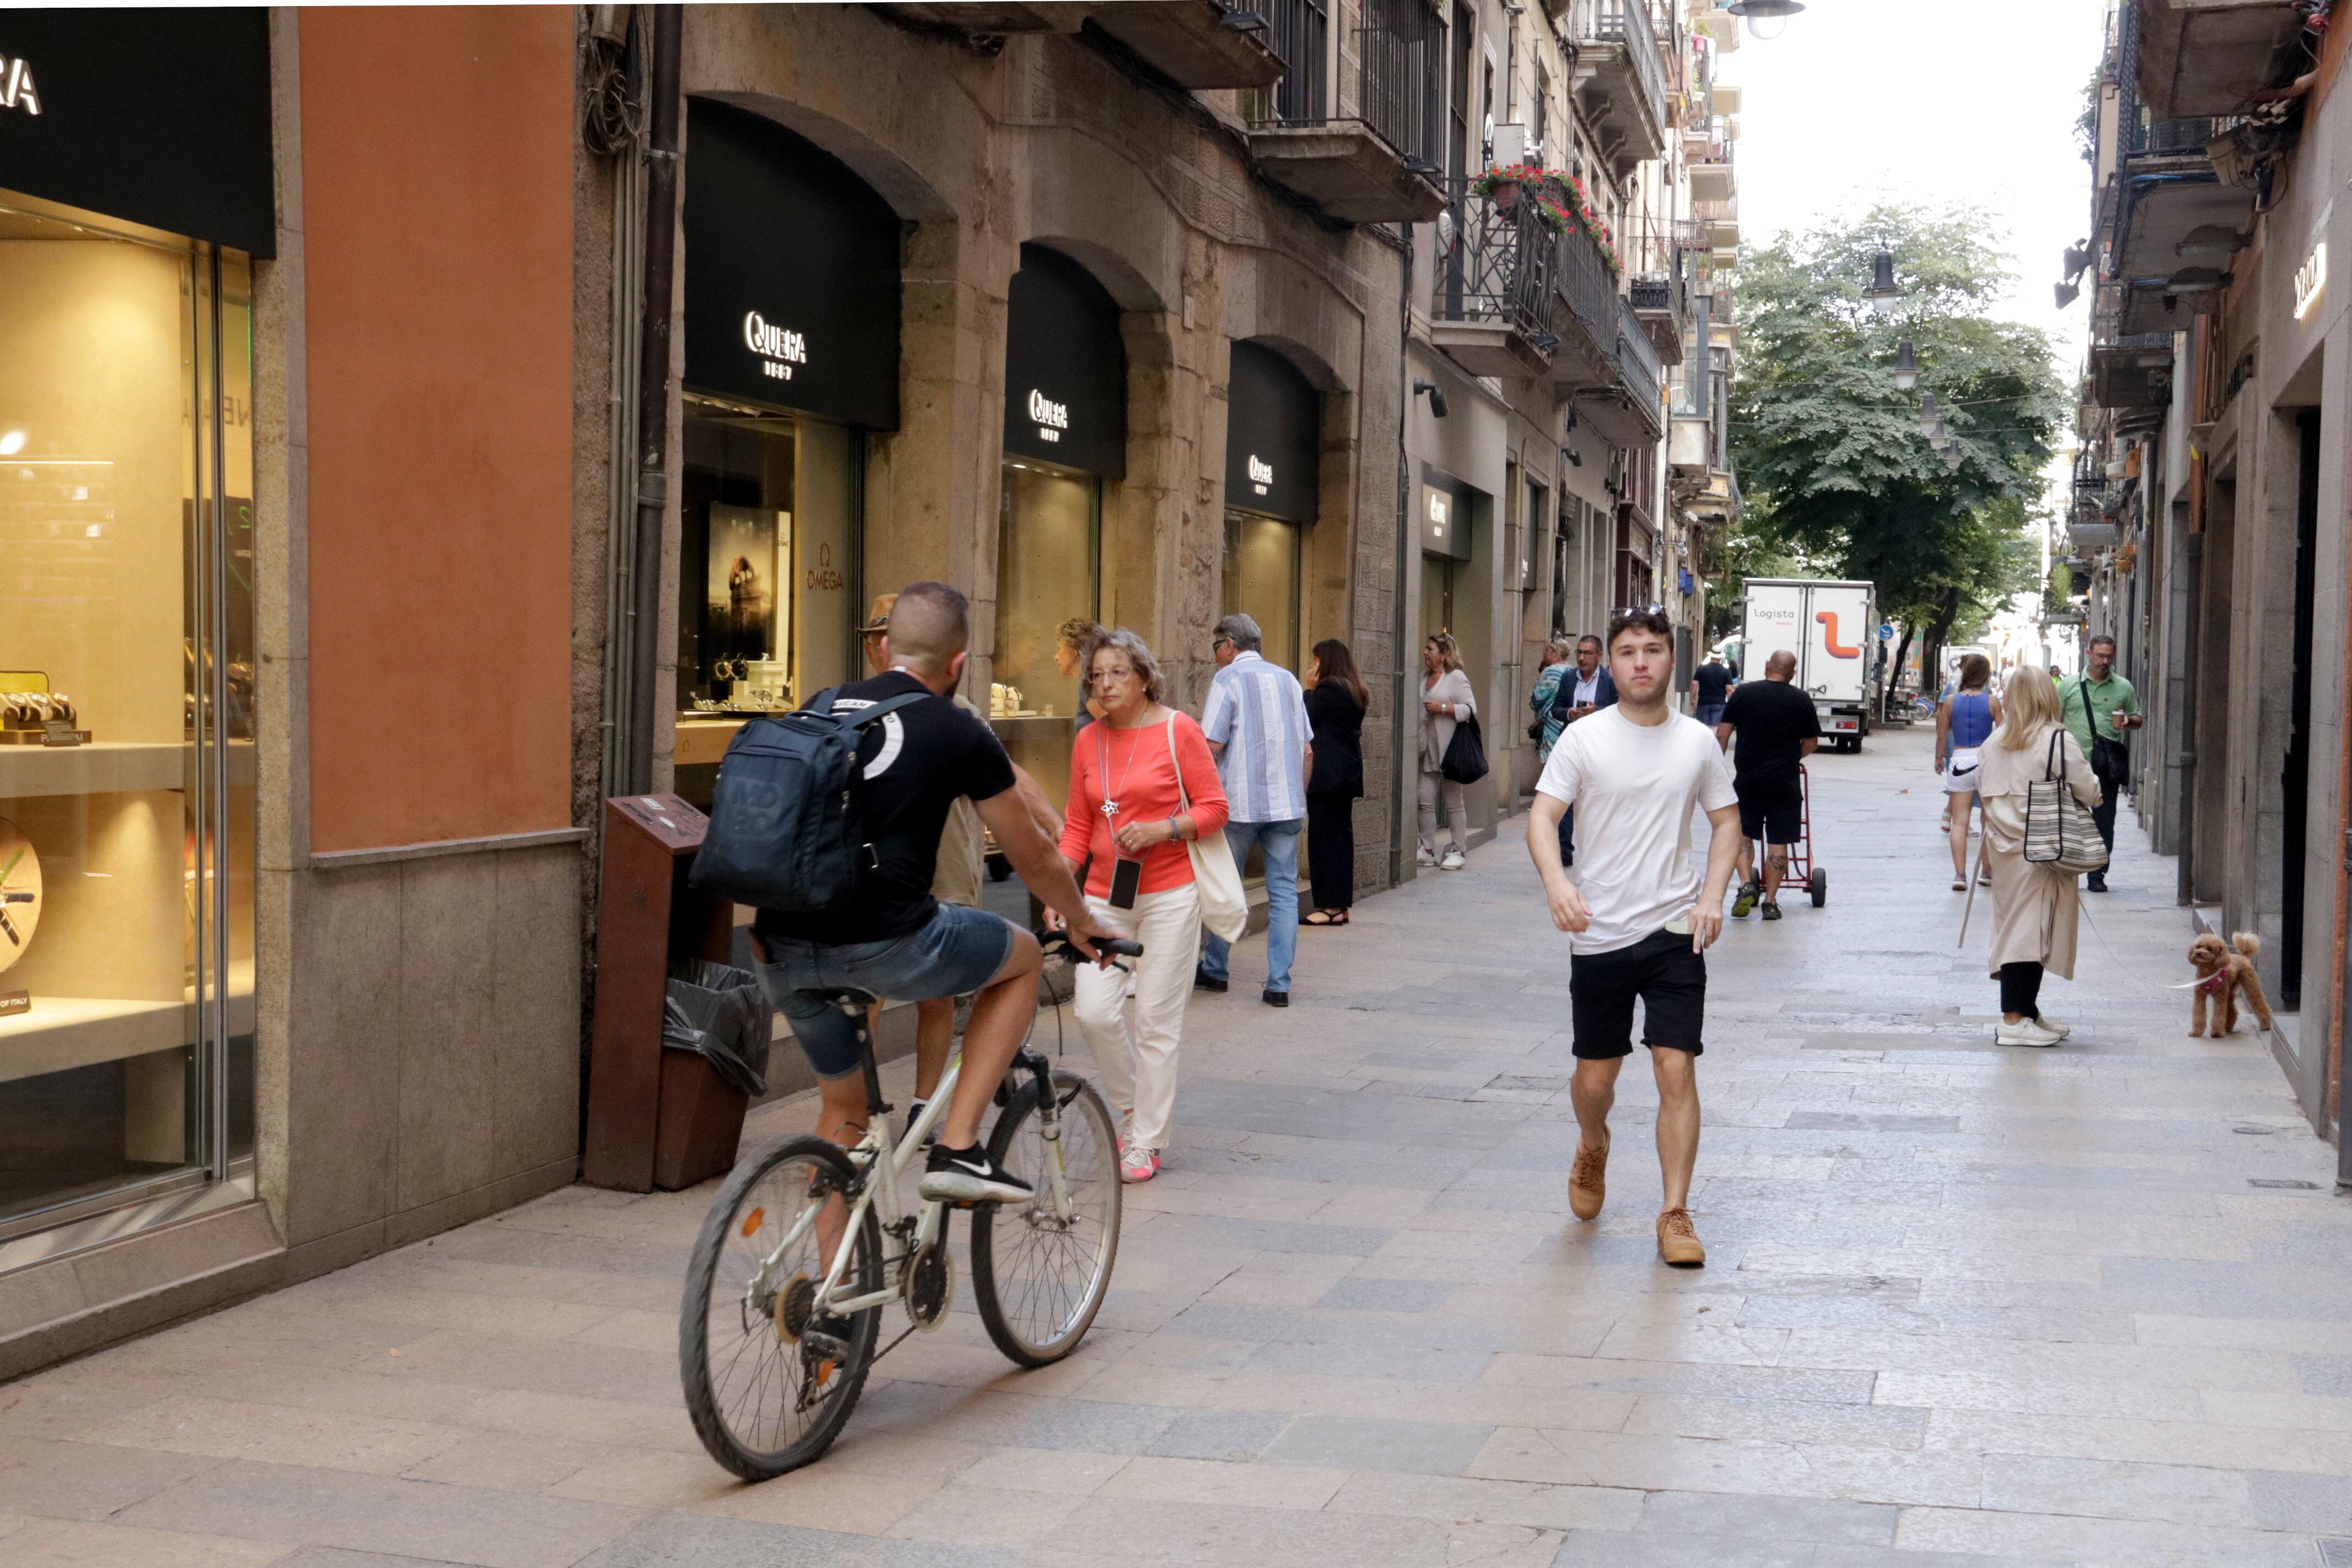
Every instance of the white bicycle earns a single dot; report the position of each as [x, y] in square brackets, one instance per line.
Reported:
[776, 1337]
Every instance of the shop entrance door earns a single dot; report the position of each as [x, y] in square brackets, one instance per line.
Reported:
[1261, 581]
[2294, 781]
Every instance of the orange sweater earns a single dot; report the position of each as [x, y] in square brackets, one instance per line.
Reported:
[1134, 765]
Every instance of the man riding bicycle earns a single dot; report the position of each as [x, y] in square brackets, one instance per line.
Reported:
[895, 940]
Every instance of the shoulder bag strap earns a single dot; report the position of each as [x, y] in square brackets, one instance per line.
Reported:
[1176, 764]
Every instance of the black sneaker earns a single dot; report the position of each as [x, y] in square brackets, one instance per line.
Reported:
[1748, 894]
[1771, 911]
[915, 1109]
[1276, 998]
[2096, 882]
[1204, 981]
[970, 1176]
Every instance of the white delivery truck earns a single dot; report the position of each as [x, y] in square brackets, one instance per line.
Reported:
[1832, 629]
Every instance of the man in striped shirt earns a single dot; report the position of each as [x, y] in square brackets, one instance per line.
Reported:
[1255, 720]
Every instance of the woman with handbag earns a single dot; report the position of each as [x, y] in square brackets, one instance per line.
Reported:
[2038, 791]
[1144, 831]
[1446, 704]
[1964, 721]
[1336, 699]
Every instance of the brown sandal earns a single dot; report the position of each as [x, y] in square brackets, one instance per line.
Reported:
[1328, 918]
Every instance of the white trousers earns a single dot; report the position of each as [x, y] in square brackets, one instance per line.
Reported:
[1133, 1028]
[1434, 788]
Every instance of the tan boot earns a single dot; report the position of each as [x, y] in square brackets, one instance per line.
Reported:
[1588, 1182]
[1678, 1242]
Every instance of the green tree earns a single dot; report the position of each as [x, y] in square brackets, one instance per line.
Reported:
[1834, 465]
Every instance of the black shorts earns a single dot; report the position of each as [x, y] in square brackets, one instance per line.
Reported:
[1771, 814]
[1663, 972]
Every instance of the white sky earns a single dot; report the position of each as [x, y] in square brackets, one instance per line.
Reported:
[1932, 100]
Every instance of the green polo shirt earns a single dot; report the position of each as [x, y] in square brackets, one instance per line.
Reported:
[2085, 702]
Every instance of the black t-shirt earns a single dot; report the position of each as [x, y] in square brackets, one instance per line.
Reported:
[1769, 718]
[915, 761]
[1714, 681]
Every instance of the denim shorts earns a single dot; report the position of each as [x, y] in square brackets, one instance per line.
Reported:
[960, 950]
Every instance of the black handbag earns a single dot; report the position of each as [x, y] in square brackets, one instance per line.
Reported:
[1465, 762]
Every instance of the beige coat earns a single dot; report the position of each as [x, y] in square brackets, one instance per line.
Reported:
[2035, 907]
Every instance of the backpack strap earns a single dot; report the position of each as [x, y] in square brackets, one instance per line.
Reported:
[884, 708]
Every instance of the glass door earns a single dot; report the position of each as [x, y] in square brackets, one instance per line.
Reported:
[1048, 571]
[1261, 580]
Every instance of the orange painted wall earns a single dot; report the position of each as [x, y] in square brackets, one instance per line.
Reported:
[436, 254]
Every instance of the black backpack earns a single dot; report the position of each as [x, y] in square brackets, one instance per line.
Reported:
[784, 832]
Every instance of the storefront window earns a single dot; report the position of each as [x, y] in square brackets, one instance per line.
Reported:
[1262, 580]
[767, 596]
[1048, 569]
[127, 772]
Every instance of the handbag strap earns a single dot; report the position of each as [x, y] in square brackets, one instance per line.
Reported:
[1176, 765]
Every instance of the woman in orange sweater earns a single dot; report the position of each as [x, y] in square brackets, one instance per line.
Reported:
[1142, 783]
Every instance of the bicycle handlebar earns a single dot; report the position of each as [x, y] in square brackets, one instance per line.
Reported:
[1119, 945]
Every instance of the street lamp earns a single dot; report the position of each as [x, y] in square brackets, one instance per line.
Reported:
[1884, 290]
[1907, 367]
[1928, 417]
[1761, 12]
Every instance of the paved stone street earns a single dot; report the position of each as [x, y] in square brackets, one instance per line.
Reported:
[1963, 1306]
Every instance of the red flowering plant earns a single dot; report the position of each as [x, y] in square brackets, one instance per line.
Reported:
[1558, 201]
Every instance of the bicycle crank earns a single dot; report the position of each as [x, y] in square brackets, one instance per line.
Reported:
[930, 1283]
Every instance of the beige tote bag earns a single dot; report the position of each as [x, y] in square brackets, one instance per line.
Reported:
[1225, 907]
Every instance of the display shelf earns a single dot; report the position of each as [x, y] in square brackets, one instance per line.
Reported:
[63, 1032]
[108, 767]
[701, 741]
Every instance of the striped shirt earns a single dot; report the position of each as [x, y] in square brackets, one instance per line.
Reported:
[1257, 712]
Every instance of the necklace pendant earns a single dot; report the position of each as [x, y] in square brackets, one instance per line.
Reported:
[1110, 808]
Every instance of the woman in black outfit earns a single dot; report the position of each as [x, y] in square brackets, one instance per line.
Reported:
[1334, 707]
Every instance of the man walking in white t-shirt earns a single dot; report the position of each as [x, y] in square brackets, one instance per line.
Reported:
[1638, 917]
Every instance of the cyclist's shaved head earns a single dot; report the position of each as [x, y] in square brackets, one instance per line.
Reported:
[930, 625]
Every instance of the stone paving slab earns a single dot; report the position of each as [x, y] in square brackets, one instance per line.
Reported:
[1965, 1307]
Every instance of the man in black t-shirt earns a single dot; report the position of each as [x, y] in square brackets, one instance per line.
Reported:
[1711, 683]
[895, 940]
[1777, 730]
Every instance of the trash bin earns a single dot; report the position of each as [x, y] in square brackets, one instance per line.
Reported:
[716, 1024]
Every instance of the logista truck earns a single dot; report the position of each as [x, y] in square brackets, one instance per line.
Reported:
[1832, 628]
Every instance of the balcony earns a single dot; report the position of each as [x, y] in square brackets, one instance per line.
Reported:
[1715, 180]
[1584, 315]
[1200, 43]
[1628, 411]
[2203, 56]
[1493, 315]
[1657, 256]
[1620, 80]
[1364, 148]
[2165, 188]
[2132, 371]
[996, 18]
[1719, 221]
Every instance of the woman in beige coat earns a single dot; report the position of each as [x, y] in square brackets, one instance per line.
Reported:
[2035, 907]
[1445, 700]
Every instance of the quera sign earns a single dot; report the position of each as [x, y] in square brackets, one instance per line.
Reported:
[1261, 474]
[1050, 417]
[778, 348]
[17, 91]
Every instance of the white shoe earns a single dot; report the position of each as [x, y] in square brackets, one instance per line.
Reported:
[2060, 1030]
[1424, 857]
[2024, 1032]
[1453, 860]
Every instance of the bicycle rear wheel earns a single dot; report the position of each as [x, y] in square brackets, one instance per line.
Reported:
[1039, 1276]
[769, 1380]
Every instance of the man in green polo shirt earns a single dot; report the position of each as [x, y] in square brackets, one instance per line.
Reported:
[2099, 706]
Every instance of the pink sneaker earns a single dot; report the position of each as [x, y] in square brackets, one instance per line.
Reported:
[1139, 1164]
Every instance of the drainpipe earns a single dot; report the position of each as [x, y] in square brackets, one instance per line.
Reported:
[653, 393]
[1405, 530]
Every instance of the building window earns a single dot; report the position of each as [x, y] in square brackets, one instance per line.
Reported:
[127, 768]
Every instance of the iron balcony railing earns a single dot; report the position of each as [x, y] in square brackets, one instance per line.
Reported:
[1583, 286]
[2145, 138]
[1299, 31]
[1499, 267]
[1627, 22]
[1637, 360]
[1388, 76]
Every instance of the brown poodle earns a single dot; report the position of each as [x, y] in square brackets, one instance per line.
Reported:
[2222, 969]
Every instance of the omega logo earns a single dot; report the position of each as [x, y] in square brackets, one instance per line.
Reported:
[821, 577]
[1052, 418]
[1261, 473]
[2310, 280]
[17, 91]
[778, 348]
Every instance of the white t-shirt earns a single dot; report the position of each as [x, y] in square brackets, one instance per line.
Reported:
[1633, 786]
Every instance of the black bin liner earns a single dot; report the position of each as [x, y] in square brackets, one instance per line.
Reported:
[720, 1012]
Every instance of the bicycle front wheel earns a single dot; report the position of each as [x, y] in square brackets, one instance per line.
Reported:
[1039, 1271]
[769, 1379]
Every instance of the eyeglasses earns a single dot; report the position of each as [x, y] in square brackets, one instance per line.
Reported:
[1221, 642]
[1115, 672]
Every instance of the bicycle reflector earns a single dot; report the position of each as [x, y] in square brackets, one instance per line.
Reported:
[751, 1223]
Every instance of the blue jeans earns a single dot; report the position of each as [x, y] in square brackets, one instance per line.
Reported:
[960, 950]
[1281, 842]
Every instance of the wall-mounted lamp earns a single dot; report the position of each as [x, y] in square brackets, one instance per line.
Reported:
[1434, 393]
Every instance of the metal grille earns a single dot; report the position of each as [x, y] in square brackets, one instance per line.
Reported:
[1582, 283]
[1637, 359]
[1300, 34]
[1397, 53]
[1627, 22]
[1501, 264]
